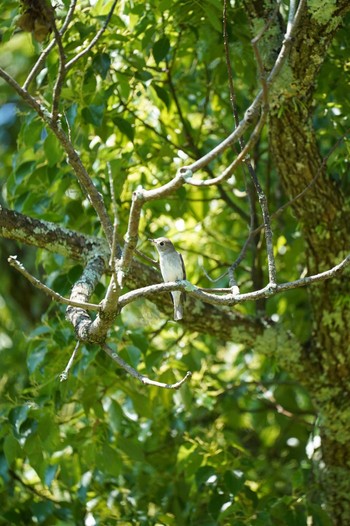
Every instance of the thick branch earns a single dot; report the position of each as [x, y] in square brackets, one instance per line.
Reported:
[47, 235]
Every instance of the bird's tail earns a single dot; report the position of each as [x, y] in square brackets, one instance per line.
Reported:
[178, 301]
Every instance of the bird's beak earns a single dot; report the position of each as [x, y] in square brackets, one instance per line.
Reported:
[151, 240]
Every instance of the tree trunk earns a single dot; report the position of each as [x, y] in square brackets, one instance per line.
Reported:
[322, 213]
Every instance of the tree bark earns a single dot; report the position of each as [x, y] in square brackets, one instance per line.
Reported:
[225, 323]
[325, 218]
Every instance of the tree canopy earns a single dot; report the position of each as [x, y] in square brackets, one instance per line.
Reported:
[224, 127]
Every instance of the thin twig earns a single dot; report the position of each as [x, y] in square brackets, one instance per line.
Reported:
[54, 295]
[257, 54]
[144, 379]
[115, 245]
[268, 231]
[94, 40]
[61, 68]
[248, 163]
[233, 97]
[301, 194]
[254, 137]
[64, 374]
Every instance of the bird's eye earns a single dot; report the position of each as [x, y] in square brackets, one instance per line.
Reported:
[162, 243]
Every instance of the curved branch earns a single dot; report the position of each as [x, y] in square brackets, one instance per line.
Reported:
[94, 40]
[144, 379]
[253, 110]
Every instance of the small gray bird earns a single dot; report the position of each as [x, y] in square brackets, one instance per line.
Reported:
[173, 269]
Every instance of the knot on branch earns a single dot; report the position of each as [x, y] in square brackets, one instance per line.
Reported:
[185, 173]
[271, 289]
[138, 194]
[250, 114]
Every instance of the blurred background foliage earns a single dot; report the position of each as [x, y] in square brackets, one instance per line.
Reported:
[237, 444]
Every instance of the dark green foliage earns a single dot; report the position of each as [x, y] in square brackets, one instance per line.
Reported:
[229, 448]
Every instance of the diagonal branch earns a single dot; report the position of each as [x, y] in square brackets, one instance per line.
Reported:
[81, 173]
[144, 379]
[253, 110]
[94, 40]
[32, 74]
[13, 261]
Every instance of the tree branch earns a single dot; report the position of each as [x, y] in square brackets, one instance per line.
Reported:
[81, 173]
[54, 295]
[254, 108]
[94, 40]
[46, 51]
[232, 299]
[144, 379]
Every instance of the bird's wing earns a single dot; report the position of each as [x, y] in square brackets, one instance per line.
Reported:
[183, 265]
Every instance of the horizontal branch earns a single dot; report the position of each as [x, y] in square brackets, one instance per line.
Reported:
[232, 299]
[200, 316]
[50, 236]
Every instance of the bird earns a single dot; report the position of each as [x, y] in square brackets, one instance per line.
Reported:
[173, 269]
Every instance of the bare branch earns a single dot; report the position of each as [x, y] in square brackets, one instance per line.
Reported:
[233, 97]
[144, 379]
[253, 109]
[115, 245]
[64, 374]
[61, 68]
[232, 299]
[85, 329]
[139, 198]
[13, 261]
[94, 40]
[254, 137]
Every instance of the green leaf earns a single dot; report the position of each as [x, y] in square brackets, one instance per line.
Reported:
[42, 510]
[213, 16]
[108, 460]
[36, 356]
[161, 49]
[101, 64]
[18, 416]
[24, 170]
[12, 449]
[140, 340]
[162, 94]
[131, 448]
[52, 149]
[131, 355]
[124, 127]
[203, 474]
[93, 114]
